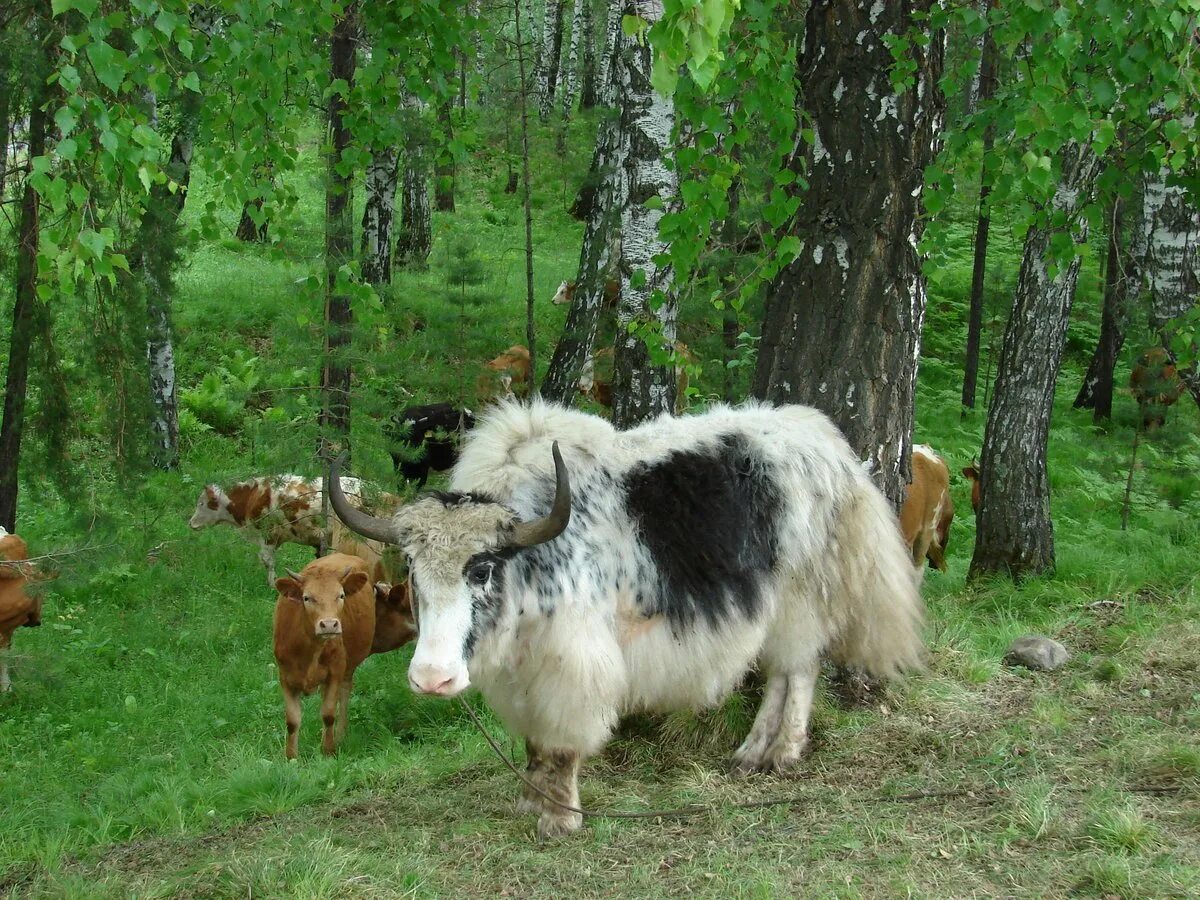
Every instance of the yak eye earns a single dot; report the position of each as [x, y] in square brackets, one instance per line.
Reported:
[479, 574]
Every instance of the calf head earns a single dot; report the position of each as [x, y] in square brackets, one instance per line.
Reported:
[566, 290]
[394, 622]
[458, 546]
[323, 595]
[212, 508]
[971, 473]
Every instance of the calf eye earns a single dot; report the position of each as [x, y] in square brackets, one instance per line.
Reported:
[307, 599]
[479, 575]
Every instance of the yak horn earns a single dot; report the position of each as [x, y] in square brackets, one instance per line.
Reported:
[529, 534]
[356, 520]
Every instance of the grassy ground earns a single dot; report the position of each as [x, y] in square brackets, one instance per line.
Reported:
[141, 750]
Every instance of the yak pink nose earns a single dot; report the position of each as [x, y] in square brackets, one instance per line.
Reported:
[329, 627]
[435, 681]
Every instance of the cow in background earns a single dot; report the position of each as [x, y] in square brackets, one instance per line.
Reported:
[432, 431]
[596, 378]
[927, 511]
[395, 625]
[17, 608]
[1156, 386]
[324, 627]
[971, 473]
[506, 376]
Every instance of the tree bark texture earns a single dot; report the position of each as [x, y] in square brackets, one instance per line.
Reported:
[25, 311]
[378, 216]
[444, 172]
[643, 389]
[587, 75]
[526, 202]
[1096, 392]
[570, 78]
[339, 244]
[982, 92]
[247, 231]
[549, 55]
[1014, 533]
[597, 260]
[843, 322]
[606, 84]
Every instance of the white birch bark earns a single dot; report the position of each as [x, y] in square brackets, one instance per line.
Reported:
[570, 70]
[378, 216]
[643, 389]
[607, 93]
[548, 53]
[587, 77]
[1167, 245]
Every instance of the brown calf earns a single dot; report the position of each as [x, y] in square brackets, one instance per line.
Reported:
[506, 376]
[1156, 385]
[566, 293]
[971, 473]
[394, 623]
[17, 608]
[928, 510]
[324, 626]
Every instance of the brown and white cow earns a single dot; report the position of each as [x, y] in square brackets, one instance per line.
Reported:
[324, 628]
[506, 376]
[928, 511]
[270, 510]
[17, 608]
[566, 293]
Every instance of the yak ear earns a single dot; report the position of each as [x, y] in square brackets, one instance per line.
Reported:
[290, 587]
[353, 582]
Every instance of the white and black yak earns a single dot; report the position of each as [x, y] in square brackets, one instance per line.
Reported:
[576, 573]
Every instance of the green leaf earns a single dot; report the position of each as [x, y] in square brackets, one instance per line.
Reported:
[66, 120]
[87, 7]
[111, 64]
[191, 81]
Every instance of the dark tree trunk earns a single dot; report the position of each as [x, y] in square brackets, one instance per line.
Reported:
[587, 89]
[1014, 533]
[339, 245]
[644, 388]
[601, 237]
[1096, 392]
[8, 106]
[530, 328]
[25, 311]
[842, 326]
[983, 93]
[444, 172]
[415, 239]
[378, 214]
[247, 230]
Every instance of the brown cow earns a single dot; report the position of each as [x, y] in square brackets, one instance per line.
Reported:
[927, 511]
[394, 623]
[506, 376]
[971, 473]
[324, 627]
[1156, 385]
[566, 293]
[17, 608]
[599, 387]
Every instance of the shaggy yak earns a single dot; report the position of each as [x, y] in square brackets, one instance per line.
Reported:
[576, 573]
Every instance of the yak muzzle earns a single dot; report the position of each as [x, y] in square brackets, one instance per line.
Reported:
[437, 682]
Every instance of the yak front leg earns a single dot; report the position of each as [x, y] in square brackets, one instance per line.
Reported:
[291, 713]
[560, 780]
[530, 800]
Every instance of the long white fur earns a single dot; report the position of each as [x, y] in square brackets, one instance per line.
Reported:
[846, 587]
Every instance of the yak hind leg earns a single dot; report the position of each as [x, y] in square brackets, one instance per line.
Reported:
[530, 800]
[779, 736]
[560, 779]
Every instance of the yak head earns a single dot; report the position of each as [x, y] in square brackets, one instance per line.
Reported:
[458, 546]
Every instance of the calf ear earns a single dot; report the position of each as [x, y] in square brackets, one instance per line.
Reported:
[290, 587]
[399, 597]
[353, 582]
[383, 591]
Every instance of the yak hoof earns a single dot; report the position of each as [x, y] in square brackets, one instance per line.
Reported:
[556, 825]
[527, 803]
[779, 759]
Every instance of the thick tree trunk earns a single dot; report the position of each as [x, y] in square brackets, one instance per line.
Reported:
[570, 76]
[606, 83]
[1096, 392]
[1014, 534]
[415, 240]
[12, 427]
[339, 245]
[842, 326]
[982, 92]
[444, 172]
[642, 388]
[587, 78]
[601, 247]
[548, 57]
[378, 215]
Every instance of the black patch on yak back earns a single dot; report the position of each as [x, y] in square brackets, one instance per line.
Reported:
[710, 519]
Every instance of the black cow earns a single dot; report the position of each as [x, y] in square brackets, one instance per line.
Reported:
[433, 430]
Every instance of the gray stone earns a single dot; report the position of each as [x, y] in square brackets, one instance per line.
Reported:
[1036, 652]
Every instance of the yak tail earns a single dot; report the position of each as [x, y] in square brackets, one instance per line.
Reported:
[876, 597]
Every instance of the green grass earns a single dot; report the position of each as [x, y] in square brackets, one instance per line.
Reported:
[141, 752]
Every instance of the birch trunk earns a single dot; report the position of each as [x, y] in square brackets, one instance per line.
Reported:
[12, 427]
[548, 57]
[339, 246]
[570, 76]
[842, 325]
[378, 216]
[642, 387]
[1014, 533]
[587, 78]
[607, 88]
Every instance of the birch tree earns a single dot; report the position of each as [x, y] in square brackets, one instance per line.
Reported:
[570, 79]
[606, 92]
[415, 237]
[843, 321]
[548, 56]
[379, 214]
[587, 75]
